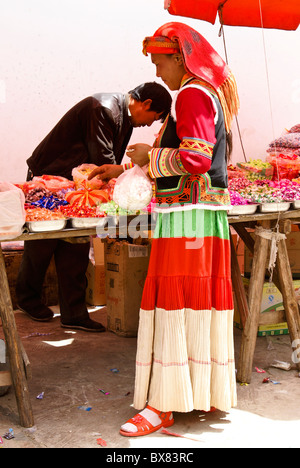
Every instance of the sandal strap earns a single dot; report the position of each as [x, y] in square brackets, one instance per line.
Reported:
[141, 423]
[163, 416]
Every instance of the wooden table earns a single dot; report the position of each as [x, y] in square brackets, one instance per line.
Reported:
[282, 278]
[249, 309]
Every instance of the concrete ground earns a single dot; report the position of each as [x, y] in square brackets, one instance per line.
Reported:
[72, 367]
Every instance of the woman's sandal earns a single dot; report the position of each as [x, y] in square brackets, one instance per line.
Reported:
[212, 410]
[144, 427]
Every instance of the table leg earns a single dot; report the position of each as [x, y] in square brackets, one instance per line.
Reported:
[14, 350]
[289, 298]
[238, 286]
[254, 302]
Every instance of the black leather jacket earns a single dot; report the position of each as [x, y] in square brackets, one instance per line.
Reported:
[95, 131]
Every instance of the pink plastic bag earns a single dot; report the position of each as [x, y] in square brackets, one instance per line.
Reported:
[47, 182]
[80, 176]
[54, 183]
[12, 211]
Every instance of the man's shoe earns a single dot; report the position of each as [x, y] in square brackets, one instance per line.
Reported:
[86, 325]
[39, 313]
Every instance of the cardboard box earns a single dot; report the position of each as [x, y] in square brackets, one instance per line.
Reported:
[126, 267]
[95, 291]
[272, 320]
[97, 251]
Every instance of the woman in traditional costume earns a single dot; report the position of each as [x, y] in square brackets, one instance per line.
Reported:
[185, 351]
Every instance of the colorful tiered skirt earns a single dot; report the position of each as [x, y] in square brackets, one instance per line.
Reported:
[185, 351]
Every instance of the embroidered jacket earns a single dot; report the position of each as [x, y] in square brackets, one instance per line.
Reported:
[188, 161]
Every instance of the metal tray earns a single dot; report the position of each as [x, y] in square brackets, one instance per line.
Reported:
[86, 223]
[274, 207]
[47, 226]
[296, 204]
[243, 209]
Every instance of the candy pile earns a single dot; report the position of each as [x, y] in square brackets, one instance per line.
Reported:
[51, 197]
[256, 169]
[287, 144]
[237, 199]
[42, 214]
[285, 166]
[81, 211]
[263, 191]
[234, 172]
[284, 154]
[112, 209]
[42, 198]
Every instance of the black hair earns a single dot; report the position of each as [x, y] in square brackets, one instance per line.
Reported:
[161, 98]
[229, 145]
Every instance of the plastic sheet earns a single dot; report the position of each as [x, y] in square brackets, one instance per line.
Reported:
[133, 190]
[12, 212]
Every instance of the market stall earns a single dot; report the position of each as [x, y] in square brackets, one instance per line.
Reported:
[51, 207]
[260, 200]
[266, 192]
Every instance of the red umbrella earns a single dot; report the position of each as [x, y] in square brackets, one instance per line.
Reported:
[277, 14]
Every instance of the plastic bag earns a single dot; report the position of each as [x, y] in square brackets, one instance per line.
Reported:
[54, 183]
[133, 190]
[12, 211]
[80, 176]
[51, 183]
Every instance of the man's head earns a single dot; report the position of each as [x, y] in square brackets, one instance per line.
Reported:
[147, 103]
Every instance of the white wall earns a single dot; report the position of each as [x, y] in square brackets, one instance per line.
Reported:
[54, 53]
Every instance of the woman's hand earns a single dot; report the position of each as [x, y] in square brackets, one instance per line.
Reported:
[106, 172]
[139, 154]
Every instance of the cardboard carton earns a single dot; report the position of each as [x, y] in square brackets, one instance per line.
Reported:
[126, 267]
[272, 319]
[95, 292]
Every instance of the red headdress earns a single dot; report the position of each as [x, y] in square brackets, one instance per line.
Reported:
[201, 60]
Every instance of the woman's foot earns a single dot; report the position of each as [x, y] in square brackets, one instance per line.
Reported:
[147, 421]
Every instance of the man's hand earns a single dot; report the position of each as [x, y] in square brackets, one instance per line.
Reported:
[106, 172]
[139, 154]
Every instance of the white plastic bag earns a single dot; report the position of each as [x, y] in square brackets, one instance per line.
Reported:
[133, 190]
[12, 211]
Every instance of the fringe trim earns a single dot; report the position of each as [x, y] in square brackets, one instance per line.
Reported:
[229, 99]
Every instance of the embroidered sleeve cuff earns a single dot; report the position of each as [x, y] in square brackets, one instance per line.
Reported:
[197, 147]
[165, 162]
[128, 166]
